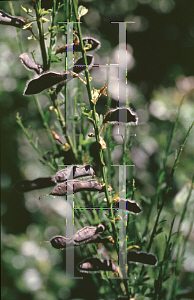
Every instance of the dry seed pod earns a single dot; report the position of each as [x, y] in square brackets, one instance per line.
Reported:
[48, 79]
[142, 257]
[94, 265]
[121, 115]
[131, 206]
[30, 64]
[88, 234]
[58, 242]
[74, 172]
[6, 19]
[23, 186]
[75, 186]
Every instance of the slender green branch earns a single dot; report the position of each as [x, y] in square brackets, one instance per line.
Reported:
[35, 97]
[52, 40]
[168, 186]
[18, 120]
[41, 34]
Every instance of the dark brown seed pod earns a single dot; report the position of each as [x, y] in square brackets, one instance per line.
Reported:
[131, 206]
[94, 265]
[23, 186]
[121, 115]
[48, 79]
[6, 19]
[142, 257]
[30, 64]
[74, 186]
[44, 81]
[58, 242]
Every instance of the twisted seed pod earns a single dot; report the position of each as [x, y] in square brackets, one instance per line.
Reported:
[142, 257]
[87, 234]
[94, 265]
[74, 172]
[121, 115]
[23, 186]
[6, 19]
[131, 206]
[48, 79]
[30, 64]
[74, 186]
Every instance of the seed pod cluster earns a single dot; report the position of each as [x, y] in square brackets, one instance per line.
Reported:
[48, 79]
[94, 265]
[74, 186]
[62, 175]
[88, 234]
[73, 172]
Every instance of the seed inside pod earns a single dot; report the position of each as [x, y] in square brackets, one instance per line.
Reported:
[74, 186]
[94, 265]
[30, 64]
[121, 115]
[131, 206]
[142, 257]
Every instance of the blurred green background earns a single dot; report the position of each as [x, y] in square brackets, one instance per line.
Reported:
[160, 49]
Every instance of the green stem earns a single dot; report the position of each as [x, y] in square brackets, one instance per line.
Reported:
[168, 186]
[18, 120]
[41, 34]
[35, 97]
[52, 41]
[63, 124]
[95, 125]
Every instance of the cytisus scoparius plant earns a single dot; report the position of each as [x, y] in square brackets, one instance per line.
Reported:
[81, 163]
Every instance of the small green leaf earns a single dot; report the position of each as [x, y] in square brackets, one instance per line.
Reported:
[56, 58]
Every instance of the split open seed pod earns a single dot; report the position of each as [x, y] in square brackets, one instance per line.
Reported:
[131, 205]
[74, 186]
[48, 79]
[94, 265]
[142, 257]
[122, 115]
[87, 234]
[30, 64]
